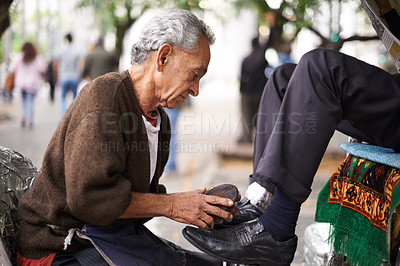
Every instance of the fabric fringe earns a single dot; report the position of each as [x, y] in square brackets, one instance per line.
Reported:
[356, 249]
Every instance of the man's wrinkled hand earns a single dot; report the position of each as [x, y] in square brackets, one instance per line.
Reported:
[198, 209]
[234, 210]
[226, 191]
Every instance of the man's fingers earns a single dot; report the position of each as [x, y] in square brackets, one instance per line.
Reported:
[204, 221]
[215, 200]
[218, 220]
[208, 220]
[201, 224]
[236, 210]
[216, 211]
[198, 191]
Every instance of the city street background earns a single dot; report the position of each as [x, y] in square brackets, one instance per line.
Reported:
[207, 153]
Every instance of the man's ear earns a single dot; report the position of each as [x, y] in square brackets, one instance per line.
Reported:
[163, 55]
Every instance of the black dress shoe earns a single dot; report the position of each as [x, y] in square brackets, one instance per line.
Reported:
[246, 243]
[247, 212]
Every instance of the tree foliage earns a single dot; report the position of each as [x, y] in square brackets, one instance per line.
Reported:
[120, 15]
[4, 15]
[298, 14]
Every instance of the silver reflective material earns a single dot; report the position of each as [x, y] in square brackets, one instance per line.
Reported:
[17, 174]
[316, 246]
[258, 196]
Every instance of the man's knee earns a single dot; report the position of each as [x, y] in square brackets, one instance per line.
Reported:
[278, 81]
[319, 58]
[284, 71]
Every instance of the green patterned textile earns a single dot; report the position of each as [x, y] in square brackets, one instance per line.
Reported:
[358, 202]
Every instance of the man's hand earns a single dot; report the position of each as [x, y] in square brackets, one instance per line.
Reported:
[192, 207]
[234, 210]
[196, 208]
[226, 191]
[383, 5]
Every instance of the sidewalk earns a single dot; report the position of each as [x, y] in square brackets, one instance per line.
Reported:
[206, 130]
[4, 113]
[31, 143]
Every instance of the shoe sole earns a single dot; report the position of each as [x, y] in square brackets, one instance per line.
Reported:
[263, 262]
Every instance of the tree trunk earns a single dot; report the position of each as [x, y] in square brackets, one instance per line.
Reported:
[4, 15]
[120, 34]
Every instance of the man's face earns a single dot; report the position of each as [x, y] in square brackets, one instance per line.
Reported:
[182, 74]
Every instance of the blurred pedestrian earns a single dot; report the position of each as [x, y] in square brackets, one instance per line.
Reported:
[29, 69]
[99, 61]
[173, 115]
[252, 82]
[51, 78]
[68, 62]
[284, 53]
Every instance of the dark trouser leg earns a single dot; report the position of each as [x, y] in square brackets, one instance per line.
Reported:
[302, 106]
[269, 106]
[269, 109]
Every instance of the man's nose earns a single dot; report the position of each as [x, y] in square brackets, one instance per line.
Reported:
[194, 90]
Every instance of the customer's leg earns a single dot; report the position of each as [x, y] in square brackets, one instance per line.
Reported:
[268, 111]
[269, 106]
[325, 88]
[259, 193]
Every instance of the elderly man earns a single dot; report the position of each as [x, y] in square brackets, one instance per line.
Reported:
[99, 180]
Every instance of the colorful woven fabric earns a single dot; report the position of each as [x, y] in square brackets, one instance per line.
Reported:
[358, 202]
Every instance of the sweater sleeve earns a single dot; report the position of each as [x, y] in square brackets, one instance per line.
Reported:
[97, 192]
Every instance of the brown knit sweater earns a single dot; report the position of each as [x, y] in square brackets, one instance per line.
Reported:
[97, 156]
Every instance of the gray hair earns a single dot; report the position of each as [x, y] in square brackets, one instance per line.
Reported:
[179, 28]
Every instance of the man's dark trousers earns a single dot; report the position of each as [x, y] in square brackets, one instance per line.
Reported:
[301, 107]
